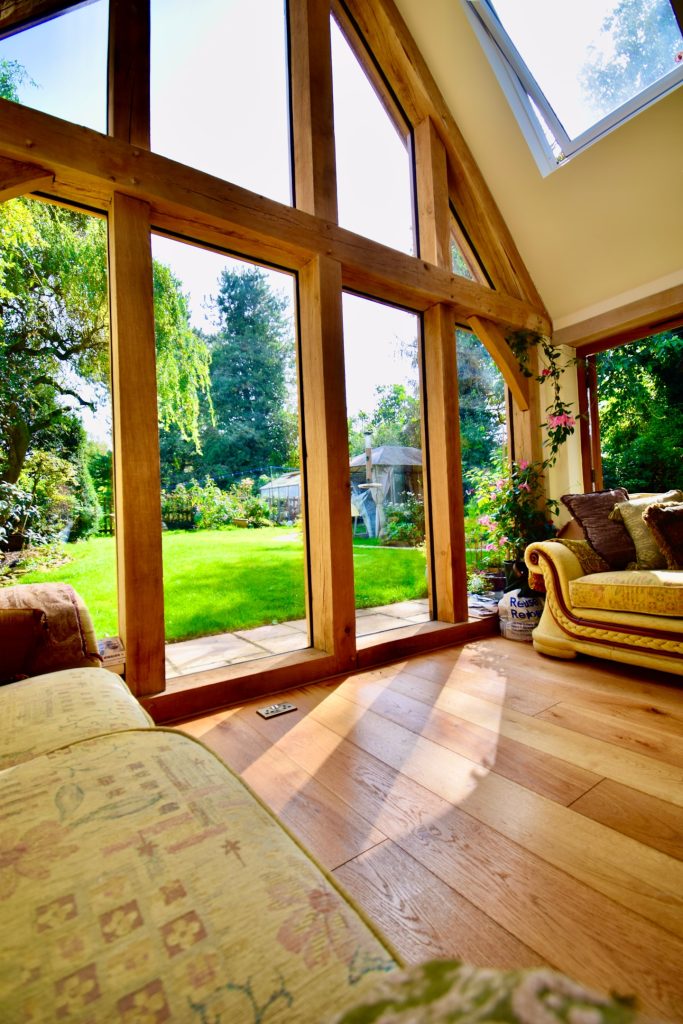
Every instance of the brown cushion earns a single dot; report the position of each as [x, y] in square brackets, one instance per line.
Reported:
[610, 539]
[22, 632]
[69, 644]
[589, 560]
[666, 522]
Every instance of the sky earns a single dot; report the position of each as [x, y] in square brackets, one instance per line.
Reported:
[219, 103]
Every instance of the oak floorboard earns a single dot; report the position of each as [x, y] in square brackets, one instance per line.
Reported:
[652, 822]
[474, 859]
[422, 707]
[622, 728]
[427, 918]
[328, 827]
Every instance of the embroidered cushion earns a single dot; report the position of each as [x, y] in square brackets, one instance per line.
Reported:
[630, 513]
[643, 591]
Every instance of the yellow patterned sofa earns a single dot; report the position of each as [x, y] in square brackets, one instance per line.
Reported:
[629, 615]
[141, 882]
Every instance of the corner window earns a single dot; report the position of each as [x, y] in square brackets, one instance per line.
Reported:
[574, 71]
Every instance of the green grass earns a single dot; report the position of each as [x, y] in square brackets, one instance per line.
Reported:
[218, 581]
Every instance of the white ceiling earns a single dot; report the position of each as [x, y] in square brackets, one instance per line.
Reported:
[605, 228]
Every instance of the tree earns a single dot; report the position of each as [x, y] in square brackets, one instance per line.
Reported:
[481, 393]
[639, 43]
[252, 382]
[54, 331]
[641, 413]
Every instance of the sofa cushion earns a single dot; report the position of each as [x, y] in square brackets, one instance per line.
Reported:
[648, 552]
[642, 591]
[143, 881]
[46, 712]
[22, 631]
[666, 523]
[610, 539]
[70, 641]
[449, 992]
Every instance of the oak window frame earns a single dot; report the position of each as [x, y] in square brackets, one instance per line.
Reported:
[141, 191]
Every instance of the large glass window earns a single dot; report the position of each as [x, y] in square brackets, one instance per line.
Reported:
[60, 66]
[219, 90]
[374, 183]
[233, 552]
[56, 502]
[580, 67]
[387, 465]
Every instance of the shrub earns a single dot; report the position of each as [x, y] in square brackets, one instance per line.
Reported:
[405, 521]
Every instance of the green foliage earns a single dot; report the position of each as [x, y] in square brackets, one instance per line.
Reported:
[207, 507]
[481, 397]
[641, 413]
[12, 75]
[86, 511]
[559, 423]
[509, 504]
[248, 505]
[49, 480]
[405, 521]
[639, 43]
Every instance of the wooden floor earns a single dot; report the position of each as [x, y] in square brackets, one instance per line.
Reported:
[491, 804]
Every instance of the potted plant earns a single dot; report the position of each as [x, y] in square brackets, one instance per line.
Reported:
[512, 511]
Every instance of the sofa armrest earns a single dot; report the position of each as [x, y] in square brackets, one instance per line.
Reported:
[557, 564]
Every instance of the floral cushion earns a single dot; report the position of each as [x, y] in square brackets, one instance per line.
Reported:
[589, 560]
[647, 592]
[143, 882]
[448, 992]
[46, 712]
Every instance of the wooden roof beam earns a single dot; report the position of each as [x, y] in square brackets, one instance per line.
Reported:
[18, 178]
[493, 340]
[90, 167]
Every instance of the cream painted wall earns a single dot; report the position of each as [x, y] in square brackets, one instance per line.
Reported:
[601, 230]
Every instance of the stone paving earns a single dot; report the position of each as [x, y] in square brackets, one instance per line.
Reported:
[209, 652]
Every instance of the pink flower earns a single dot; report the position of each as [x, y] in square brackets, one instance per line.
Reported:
[489, 547]
[563, 420]
[485, 521]
[523, 464]
[679, 57]
[545, 372]
[503, 541]
[524, 487]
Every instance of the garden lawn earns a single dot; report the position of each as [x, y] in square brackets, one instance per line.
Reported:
[219, 581]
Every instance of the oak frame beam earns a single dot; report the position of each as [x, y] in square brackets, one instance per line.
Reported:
[20, 14]
[326, 459]
[136, 446]
[431, 176]
[128, 105]
[17, 178]
[310, 69]
[493, 340]
[90, 167]
[393, 47]
[446, 529]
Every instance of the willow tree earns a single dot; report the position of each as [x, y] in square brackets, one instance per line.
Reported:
[54, 331]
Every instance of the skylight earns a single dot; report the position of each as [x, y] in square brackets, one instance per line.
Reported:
[575, 69]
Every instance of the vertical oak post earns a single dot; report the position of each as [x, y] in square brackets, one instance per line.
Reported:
[315, 173]
[326, 457]
[136, 446]
[431, 176]
[441, 415]
[128, 71]
[444, 492]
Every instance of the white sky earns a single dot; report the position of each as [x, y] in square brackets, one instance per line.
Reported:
[219, 103]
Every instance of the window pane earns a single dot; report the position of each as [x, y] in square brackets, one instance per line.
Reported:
[56, 507]
[233, 550]
[60, 67]
[219, 90]
[481, 396]
[374, 185]
[591, 56]
[386, 465]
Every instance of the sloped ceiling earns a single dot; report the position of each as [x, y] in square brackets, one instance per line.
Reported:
[604, 229]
